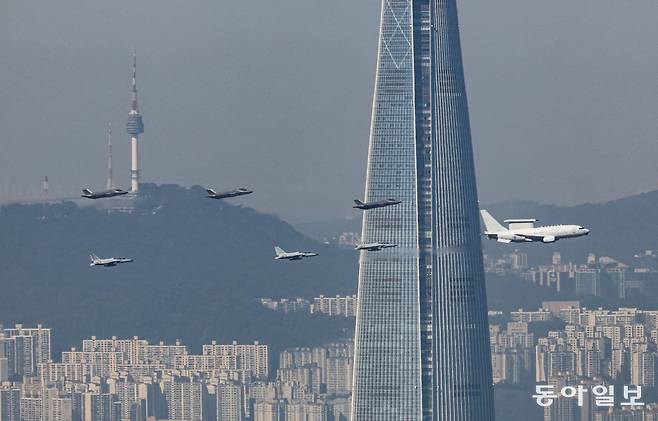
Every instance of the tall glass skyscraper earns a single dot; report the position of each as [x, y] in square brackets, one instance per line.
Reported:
[422, 342]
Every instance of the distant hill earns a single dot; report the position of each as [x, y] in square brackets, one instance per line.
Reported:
[199, 267]
[330, 230]
[201, 264]
[619, 228]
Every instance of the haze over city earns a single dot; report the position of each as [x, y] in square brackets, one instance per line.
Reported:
[277, 97]
[226, 262]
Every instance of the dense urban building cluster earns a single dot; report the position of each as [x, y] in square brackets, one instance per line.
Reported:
[596, 347]
[331, 306]
[133, 380]
[601, 276]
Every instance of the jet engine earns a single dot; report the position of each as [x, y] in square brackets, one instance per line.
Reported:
[511, 237]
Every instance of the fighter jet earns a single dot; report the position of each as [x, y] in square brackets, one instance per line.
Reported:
[374, 246]
[376, 204]
[281, 254]
[110, 261]
[212, 194]
[524, 230]
[101, 194]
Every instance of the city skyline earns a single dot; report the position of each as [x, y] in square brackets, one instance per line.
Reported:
[587, 344]
[542, 96]
[134, 379]
[131, 379]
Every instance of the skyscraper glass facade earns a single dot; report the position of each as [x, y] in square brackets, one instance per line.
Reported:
[422, 348]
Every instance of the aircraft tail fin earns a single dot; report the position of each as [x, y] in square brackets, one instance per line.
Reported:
[279, 251]
[93, 258]
[87, 191]
[490, 222]
[211, 192]
[358, 202]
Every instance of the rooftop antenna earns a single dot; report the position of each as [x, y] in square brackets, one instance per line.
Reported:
[44, 188]
[110, 179]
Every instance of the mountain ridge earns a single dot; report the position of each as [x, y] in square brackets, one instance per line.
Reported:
[200, 266]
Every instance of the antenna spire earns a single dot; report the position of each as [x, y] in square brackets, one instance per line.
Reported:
[45, 187]
[110, 180]
[134, 105]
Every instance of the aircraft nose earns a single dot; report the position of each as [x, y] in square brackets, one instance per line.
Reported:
[586, 231]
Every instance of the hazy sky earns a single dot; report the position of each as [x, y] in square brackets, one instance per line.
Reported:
[276, 95]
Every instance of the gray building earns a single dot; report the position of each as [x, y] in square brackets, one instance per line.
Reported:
[421, 348]
[270, 411]
[10, 404]
[97, 407]
[588, 282]
[30, 409]
[563, 408]
[8, 354]
[41, 350]
[128, 402]
[183, 399]
[24, 348]
[230, 402]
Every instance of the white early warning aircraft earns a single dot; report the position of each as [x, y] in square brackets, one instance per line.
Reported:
[281, 254]
[524, 230]
[110, 261]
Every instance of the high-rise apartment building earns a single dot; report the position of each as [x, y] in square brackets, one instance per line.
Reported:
[183, 399]
[588, 282]
[7, 356]
[97, 407]
[643, 367]
[306, 411]
[133, 349]
[270, 411]
[338, 376]
[127, 399]
[56, 372]
[41, 338]
[97, 363]
[61, 409]
[161, 353]
[562, 408]
[10, 403]
[30, 408]
[230, 402]
[253, 357]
